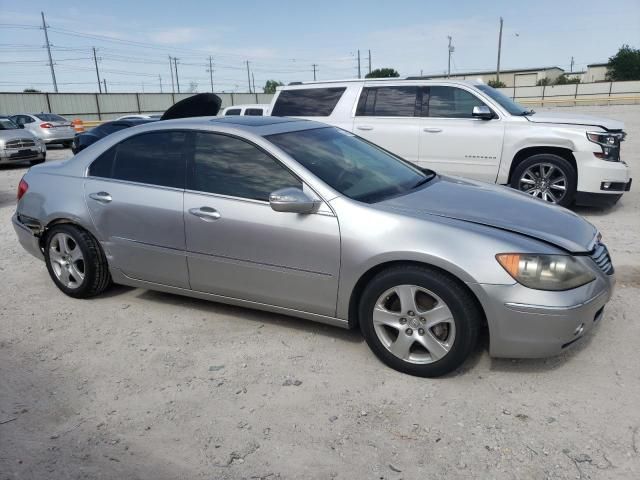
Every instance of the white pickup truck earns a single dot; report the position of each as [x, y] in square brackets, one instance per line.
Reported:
[471, 130]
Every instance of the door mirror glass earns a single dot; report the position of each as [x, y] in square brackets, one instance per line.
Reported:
[292, 200]
[482, 112]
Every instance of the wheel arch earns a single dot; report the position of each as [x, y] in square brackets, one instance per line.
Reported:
[366, 277]
[527, 152]
[62, 221]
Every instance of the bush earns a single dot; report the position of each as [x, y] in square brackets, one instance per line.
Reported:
[543, 82]
[496, 83]
[565, 79]
[271, 85]
[382, 73]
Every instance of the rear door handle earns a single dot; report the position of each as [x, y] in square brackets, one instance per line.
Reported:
[207, 214]
[432, 130]
[364, 127]
[102, 197]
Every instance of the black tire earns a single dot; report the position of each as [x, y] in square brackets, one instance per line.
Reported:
[96, 269]
[465, 311]
[558, 162]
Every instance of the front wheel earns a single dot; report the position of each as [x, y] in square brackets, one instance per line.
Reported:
[76, 262]
[419, 320]
[548, 177]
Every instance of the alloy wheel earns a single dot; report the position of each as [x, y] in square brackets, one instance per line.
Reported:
[545, 181]
[67, 260]
[414, 324]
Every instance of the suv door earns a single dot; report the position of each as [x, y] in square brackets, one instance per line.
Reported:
[452, 141]
[386, 116]
[134, 192]
[238, 247]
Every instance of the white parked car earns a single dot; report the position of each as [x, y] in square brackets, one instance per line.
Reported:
[256, 109]
[472, 130]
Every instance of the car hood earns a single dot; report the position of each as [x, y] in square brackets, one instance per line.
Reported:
[571, 119]
[15, 134]
[498, 207]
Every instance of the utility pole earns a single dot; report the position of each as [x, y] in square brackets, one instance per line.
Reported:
[253, 79]
[160, 82]
[451, 49]
[499, 51]
[211, 72]
[248, 76]
[173, 87]
[46, 39]
[359, 73]
[105, 85]
[571, 70]
[369, 61]
[314, 65]
[95, 60]
[175, 66]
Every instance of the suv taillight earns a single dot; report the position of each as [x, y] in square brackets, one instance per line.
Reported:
[46, 125]
[22, 188]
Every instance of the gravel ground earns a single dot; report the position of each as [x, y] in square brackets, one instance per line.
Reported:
[137, 384]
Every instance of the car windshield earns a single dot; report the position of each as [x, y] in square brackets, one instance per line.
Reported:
[351, 165]
[6, 124]
[505, 102]
[50, 117]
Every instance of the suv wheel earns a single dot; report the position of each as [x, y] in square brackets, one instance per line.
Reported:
[76, 262]
[419, 320]
[548, 177]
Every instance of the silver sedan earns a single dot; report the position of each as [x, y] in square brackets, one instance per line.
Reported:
[308, 220]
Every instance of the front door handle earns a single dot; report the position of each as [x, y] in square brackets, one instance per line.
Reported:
[207, 214]
[364, 127]
[432, 130]
[102, 197]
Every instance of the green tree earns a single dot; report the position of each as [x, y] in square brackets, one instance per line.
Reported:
[31, 90]
[624, 65]
[271, 85]
[565, 79]
[382, 73]
[496, 83]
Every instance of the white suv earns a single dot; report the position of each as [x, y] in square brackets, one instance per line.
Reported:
[472, 130]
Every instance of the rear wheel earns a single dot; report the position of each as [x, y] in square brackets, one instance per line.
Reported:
[419, 320]
[76, 262]
[548, 177]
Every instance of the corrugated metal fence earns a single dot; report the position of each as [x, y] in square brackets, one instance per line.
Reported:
[105, 106]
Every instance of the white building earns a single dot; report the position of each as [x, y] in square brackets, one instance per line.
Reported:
[527, 77]
[596, 72]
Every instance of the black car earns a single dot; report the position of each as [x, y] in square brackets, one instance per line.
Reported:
[83, 140]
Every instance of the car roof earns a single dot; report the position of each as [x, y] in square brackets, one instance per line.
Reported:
[374, 81]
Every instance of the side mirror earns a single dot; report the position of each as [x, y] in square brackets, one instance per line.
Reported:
[292, 200]
[482, 112]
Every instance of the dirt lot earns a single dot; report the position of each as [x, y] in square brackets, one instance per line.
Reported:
[136, 384]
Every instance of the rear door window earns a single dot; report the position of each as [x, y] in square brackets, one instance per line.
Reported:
[391, 101]
[307, 102]
[157, 158]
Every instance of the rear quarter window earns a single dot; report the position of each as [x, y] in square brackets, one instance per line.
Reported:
[307, 102]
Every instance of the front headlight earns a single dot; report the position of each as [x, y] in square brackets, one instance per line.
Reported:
[609, 143]
[545, 272]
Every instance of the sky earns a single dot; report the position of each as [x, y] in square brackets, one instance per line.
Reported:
[283, 39]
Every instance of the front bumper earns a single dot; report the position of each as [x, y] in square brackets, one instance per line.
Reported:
[27, 238]
[15, 155]
[594, 174]
[526, 323]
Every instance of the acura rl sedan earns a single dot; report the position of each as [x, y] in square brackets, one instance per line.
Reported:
[308, 220]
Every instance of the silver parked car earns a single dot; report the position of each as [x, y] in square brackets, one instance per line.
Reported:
[309, 220]
[18, 145]
[49, 127]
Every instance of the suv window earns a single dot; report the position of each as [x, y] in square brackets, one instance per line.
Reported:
[450, 102]
[233, 111]
[256, 112]
[391, 101]
[155, 158]
[229, 166]
[308, 102]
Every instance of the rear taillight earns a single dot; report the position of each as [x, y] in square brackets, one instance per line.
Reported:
[46, 125]
[22, 188]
